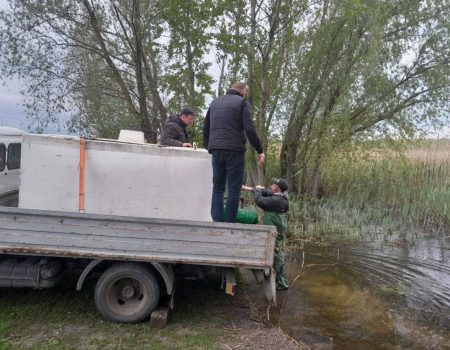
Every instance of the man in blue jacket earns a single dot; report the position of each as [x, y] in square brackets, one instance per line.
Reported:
[227, 125]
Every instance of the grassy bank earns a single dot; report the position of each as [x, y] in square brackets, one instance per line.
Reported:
[378, 190]
[63, 318]
[203, 318]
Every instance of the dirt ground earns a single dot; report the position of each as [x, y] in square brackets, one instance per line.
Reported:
[249, 329]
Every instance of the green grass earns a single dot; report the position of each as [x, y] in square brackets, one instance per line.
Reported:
[62, 318]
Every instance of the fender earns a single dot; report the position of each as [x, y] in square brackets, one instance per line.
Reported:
[86, 271]
[166, 272]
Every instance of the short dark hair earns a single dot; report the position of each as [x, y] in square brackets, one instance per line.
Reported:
[187, 111]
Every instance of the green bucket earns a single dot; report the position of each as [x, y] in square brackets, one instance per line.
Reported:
[244, 216]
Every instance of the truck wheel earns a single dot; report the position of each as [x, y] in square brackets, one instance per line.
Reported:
[126, 293]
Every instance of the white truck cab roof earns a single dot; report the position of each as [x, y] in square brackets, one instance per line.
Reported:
[5, 130]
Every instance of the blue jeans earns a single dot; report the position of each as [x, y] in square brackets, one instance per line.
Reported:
[228, 169]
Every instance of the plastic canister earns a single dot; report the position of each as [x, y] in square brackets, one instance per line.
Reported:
[244, 216]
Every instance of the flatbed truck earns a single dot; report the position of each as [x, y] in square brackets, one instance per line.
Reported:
[134, 259]
[126, 214]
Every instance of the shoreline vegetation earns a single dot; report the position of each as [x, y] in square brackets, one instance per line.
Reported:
[377, 190]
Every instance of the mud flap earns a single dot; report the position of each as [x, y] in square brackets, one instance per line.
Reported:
[269, 288]
[267, 279]
[229, 282]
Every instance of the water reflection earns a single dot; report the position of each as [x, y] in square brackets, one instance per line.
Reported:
[371, 296]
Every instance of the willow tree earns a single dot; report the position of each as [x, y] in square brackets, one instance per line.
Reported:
[365, 68]
[190, 30]
[107, 63]
[255, 39]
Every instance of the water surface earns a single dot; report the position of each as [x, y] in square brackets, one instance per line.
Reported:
[377, 295]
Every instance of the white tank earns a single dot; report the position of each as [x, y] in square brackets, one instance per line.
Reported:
[120, 178]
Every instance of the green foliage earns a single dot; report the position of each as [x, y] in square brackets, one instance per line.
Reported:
[368, 70]
[189, 25]
[107, 65]
[272, 163]
[413, 189]
[376, 190]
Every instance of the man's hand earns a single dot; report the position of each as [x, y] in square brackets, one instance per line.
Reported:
[247, 188]
[261, 158]
[259, 187]
[187, 145]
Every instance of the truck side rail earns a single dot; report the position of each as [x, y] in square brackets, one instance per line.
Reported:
[50, 233]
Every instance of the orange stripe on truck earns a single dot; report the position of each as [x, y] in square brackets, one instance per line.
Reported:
[82, 170]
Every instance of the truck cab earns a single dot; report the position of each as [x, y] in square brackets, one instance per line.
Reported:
[10, 156]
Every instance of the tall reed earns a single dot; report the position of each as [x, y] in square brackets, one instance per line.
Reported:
[379, 190]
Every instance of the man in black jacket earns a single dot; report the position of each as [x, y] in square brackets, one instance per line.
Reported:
[227, 123]
[174, 131]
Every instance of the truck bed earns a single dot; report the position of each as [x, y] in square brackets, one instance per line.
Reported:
[50, 233]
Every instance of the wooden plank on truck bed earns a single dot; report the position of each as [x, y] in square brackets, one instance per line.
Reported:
[40, 232]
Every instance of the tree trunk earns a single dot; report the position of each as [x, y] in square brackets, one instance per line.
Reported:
[142, 96]
[222, 60]
[106, 55]
[157, 105]
[315, 179]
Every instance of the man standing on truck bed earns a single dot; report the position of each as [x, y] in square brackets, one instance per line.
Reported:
[275, 204]
[226, 124]
[174, 131]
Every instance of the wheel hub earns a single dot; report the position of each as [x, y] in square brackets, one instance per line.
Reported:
[128, 292]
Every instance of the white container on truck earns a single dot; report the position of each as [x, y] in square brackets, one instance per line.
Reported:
[120, 178]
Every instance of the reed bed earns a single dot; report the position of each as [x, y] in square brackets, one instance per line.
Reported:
[379, 191]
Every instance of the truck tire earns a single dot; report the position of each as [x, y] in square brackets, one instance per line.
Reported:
[126, 292]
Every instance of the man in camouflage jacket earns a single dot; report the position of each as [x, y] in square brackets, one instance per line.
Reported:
[275, 203]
